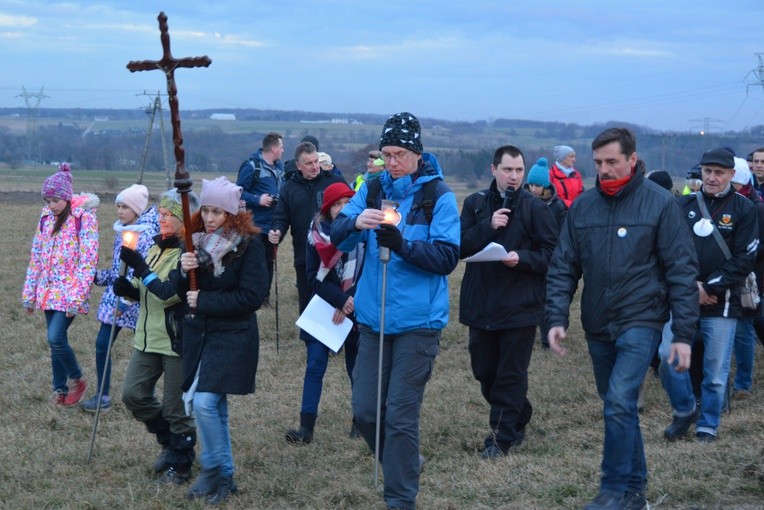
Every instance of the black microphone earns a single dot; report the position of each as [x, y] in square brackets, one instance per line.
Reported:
[510, 198]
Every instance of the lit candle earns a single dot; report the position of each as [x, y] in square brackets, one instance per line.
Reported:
[389, 209]
[129, 239]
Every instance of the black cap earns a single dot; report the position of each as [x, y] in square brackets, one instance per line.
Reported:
[721, 157]
[662, 178]
[310, 138]
[694, 172]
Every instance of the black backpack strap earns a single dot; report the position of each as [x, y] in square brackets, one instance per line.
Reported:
[373, 193]
[429, 197]
[428, 194]
[256, 170]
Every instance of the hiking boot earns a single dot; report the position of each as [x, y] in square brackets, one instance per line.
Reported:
[164, 461]
[303, 435]
[58, 398]
[605, 501]
[90, 405]
[633, 500]
[705, 437]
[681, 425]
[225, 489]
[206, 484]
[492, 452]
[740, 394]
[175, 476]
[76, 392]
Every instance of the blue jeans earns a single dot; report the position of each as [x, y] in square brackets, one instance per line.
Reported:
[315, 368]
[619, 369]
[717, 335]
[62, 357]
[101, 346]
[745, 349]
[407, 362]
[211, 413]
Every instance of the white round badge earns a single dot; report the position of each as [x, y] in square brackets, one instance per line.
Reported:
[621, 232]
[703, 228]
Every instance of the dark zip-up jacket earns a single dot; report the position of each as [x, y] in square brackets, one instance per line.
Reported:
[221, 340]
[299, 201]
[494, 296]
[637, 260]
[257, 177]
[735, 218]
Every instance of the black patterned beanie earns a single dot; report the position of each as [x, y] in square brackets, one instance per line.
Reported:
[402, 130]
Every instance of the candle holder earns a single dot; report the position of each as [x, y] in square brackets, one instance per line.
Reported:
[129, 239]
[390, 210]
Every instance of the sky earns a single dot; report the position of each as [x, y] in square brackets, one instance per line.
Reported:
[674, 65]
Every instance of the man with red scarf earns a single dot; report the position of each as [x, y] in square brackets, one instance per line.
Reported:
[627, 238]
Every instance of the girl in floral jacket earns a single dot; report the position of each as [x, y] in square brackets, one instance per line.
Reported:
[61, 269]
[133, 214]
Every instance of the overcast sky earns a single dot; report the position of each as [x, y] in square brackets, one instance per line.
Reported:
[665, 64]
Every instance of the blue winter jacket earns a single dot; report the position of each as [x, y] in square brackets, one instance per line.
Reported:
[270, 180]
[417, 283]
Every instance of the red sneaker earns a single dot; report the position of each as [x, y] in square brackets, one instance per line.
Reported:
[58, 398]
[76, 392]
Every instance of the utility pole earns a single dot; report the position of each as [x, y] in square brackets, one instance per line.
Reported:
[31, 135]
[154, 107]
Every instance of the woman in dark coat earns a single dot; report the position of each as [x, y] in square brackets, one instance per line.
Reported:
[220, 334]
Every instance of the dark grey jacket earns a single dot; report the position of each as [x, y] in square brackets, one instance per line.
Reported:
[299, 201]
[637, 259]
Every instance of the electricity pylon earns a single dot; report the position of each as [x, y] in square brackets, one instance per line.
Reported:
[32, 109]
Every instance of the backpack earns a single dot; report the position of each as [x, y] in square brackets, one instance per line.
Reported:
[428, 196]
[257, 169]
[77, 223]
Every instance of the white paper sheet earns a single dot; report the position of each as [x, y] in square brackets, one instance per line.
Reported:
[491, 253]
[316, 320]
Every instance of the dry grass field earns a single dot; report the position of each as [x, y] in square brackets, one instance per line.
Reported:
[43, 451]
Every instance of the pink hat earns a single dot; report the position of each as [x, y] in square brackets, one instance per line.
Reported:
[136, 197]
[59, 185]
[333, 193]
[221, 193]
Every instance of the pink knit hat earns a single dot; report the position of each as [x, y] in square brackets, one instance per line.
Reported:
[221, 193]
[59, 185]
[136, 197]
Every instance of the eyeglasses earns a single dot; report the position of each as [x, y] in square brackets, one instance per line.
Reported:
[398, 156]
[165, 216]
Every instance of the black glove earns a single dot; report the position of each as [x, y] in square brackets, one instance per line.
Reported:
[123, 288]
[135, 260]
[390, 237]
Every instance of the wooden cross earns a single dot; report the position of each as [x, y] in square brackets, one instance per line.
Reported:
[168, 64]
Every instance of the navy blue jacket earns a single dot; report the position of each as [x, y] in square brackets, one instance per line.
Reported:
[269, 181]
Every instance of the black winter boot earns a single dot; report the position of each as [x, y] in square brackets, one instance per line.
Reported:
[161, 428]
[304, 434]
[181, 458]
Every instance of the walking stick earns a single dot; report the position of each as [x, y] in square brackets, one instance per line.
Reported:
[129, 239]
[105, 368]
[276, 289]
[384, 257]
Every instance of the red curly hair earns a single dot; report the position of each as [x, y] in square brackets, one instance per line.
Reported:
[240, 223]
